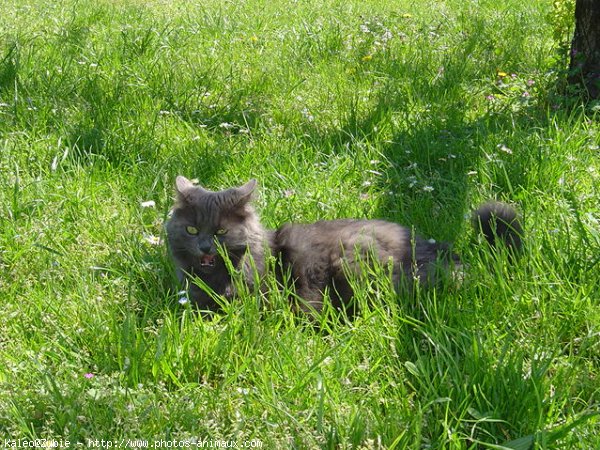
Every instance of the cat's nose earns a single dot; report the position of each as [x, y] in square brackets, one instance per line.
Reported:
[205, 248]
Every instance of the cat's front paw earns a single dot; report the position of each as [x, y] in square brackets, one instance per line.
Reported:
[230, 292]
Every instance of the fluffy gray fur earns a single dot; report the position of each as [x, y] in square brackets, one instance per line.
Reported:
[318, 256]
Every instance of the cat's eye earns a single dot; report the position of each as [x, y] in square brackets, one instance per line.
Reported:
[221, 232]
[191, 230]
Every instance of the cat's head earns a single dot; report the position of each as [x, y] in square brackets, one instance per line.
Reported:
[203, 220]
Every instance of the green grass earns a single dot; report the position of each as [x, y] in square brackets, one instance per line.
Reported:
[377, 108]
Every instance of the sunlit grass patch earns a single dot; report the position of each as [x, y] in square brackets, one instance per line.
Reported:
[412, 113]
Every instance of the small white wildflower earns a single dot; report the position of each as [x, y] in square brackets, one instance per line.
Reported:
[163, 112]
[183, 300]
[364, 28]
[306, 113]
[505, 149]
[374, 161]
[428, 188]
[226, 125]
[152, 240]
[243, 391]
[431, 241]
[472, 172]
[412, 166]
[148, 204]
[367, 183]
[387, 36]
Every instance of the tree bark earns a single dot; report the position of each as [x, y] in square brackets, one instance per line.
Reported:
[585, 47]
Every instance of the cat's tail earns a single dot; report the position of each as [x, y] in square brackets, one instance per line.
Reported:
[499, 223]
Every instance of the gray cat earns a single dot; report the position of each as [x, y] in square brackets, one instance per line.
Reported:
[317, 257]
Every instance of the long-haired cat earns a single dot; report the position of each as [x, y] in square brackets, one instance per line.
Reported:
[318, 256]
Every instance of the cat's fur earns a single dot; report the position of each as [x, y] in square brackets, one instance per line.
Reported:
[318, 256]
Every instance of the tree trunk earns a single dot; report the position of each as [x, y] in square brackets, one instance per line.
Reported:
[585, 48]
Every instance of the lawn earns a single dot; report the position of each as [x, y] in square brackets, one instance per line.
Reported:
[414, 112]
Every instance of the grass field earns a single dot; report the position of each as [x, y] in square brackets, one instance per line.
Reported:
[410, 111]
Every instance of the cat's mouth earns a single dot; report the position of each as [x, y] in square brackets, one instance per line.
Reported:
[208, 261]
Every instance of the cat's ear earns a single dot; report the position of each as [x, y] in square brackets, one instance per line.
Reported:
[247, 189]
[237, 199]
[183, 184]
[244, 193]
[186, 190]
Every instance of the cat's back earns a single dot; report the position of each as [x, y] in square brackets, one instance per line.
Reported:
[333, 237]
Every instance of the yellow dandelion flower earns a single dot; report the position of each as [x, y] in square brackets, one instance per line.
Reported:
[367, 58]
[502, 74]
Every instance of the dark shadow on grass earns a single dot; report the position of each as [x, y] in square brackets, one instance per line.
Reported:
[9, 64]
[429, 159]
[437, 148]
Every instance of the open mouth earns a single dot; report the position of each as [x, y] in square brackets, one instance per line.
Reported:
[208, 261]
